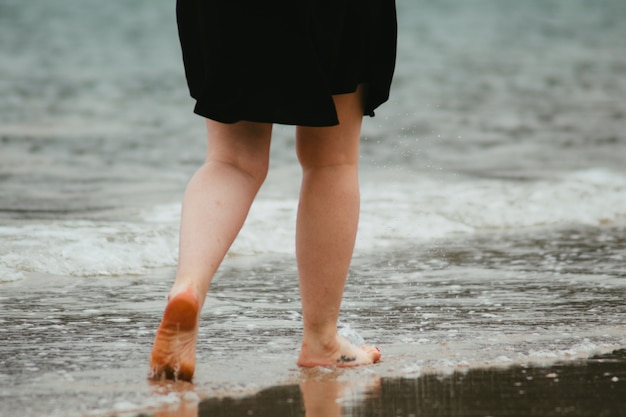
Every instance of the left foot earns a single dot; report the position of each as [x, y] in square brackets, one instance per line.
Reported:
[339, 353]
[174, 352]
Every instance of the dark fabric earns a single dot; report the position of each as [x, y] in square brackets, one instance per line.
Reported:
[280, 61]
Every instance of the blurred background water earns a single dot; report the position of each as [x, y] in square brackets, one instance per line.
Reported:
[493, 200]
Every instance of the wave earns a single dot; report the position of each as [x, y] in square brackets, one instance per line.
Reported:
[393, 213]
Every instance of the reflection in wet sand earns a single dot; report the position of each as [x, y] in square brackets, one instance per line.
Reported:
[594, 387]
[321, 393]
[332, 396]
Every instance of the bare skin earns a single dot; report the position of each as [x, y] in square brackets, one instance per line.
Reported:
[216, 203]
[328, 216]
[174, 353]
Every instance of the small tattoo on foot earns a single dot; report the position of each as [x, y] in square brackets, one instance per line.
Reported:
[345, 359]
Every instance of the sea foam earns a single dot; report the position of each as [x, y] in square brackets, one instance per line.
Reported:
[391, 215]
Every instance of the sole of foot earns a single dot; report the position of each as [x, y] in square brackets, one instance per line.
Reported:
[174, 351]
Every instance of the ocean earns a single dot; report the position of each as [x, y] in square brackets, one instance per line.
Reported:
[492, 231]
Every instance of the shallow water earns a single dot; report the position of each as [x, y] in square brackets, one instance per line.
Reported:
[483, 303]
[493, 216]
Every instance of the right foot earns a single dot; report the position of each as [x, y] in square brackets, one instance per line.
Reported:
[174, 351]
[339, 353]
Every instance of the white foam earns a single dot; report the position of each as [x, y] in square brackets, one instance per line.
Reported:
[504, 351]
[392, 213]
[8, 273]
[85, 248]
[350, 334]
[429, 208]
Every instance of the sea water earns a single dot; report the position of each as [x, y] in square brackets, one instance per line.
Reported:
[493, 220]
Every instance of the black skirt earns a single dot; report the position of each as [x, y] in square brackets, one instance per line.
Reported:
[280, 61]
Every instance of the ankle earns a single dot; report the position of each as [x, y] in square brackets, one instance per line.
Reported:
[324, 339]
[190, 288]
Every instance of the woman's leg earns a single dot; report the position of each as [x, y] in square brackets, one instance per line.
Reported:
[326, 230]
[215, 206]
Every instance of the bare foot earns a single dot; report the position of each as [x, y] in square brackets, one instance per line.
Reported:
[174, 351]
[340, 353]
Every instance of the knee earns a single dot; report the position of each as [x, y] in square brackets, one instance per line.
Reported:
[313, 155]
[337, 162]
[254, 169]
[249, 165]
[241, 146]
[324, 148]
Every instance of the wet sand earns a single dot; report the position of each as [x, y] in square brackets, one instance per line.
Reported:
[594, 387]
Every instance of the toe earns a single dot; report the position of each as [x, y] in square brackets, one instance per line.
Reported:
[372, 352]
